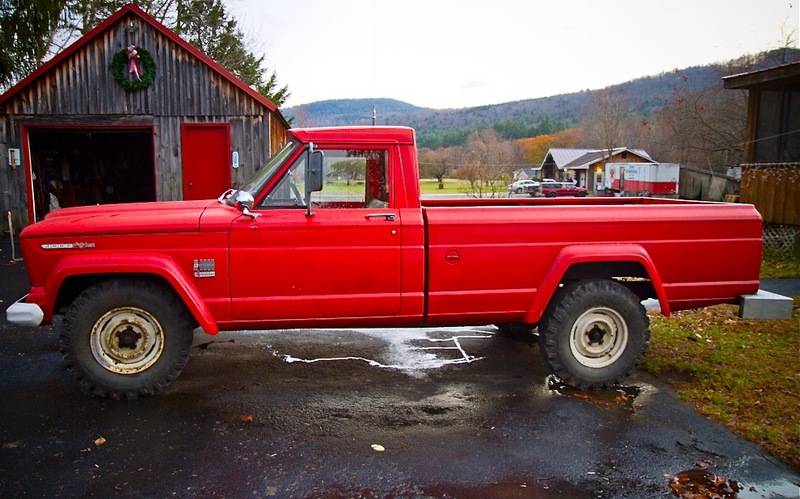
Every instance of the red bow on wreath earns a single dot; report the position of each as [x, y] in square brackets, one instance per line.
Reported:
[133, 61]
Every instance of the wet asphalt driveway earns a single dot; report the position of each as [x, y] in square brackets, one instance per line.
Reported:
[263, 415]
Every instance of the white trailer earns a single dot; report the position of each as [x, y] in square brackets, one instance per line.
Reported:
[642, 179]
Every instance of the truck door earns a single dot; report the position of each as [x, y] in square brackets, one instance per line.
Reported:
[341, 262]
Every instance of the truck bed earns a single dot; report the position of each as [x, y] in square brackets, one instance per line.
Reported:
[560, 201]
[488, 251]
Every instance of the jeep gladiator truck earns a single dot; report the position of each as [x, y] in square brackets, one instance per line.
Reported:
[331, 232]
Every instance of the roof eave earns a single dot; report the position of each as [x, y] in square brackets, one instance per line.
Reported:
[762, 76]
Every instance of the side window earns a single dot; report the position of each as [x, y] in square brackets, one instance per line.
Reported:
[290, 191]
[353, 178]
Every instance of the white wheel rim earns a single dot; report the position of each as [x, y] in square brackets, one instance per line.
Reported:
[127, 340]
[598, 337]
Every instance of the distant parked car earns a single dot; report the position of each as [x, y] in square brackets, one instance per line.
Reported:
[555, 189]
[521, 186]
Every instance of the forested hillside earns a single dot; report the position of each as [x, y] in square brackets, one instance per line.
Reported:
[531, 117]
[350, 111]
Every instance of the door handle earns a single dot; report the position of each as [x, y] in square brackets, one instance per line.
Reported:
[388, 216]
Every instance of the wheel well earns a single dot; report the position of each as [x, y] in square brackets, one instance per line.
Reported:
[75, 285]
[633, 275]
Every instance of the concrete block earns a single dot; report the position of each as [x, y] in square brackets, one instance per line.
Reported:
[765, 305]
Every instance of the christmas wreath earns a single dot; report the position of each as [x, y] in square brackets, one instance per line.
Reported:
[141, 69]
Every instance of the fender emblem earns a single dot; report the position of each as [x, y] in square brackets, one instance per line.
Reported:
[75, 245]
[204, 267]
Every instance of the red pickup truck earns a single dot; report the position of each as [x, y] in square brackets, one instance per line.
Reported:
[297, 248]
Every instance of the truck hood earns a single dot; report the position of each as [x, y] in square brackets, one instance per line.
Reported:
[157, 217]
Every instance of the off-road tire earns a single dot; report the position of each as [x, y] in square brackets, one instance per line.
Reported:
[93, 303]
[555, 330]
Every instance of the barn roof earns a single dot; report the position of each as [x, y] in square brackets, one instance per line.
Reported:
[788, 71]
[111, 21]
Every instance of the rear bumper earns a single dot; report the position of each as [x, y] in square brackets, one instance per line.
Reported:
[24, 314]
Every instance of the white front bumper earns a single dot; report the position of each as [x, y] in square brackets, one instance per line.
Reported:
[24, 314]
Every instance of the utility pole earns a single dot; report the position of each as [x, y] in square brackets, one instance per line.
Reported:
[374, 115]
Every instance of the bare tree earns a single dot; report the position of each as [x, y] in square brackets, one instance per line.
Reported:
[705, 127]
[487, 162]
[435, 164]
[605, 121]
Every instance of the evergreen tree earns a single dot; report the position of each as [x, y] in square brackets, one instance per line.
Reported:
[206, 25]
[26, 29]
[34, 30]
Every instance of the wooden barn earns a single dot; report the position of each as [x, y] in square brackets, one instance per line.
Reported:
[129, 112]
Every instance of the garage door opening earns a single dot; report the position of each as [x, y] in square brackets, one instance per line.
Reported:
[90, 166]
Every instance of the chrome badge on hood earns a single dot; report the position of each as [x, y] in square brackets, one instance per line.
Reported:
[75, 245]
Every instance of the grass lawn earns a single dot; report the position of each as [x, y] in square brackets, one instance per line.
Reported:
[777, 266]
[451, 186]
[742, 373]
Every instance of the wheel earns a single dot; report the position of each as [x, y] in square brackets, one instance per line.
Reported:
[550, 195]
[518, 191]
[594, 333]
[123, 339]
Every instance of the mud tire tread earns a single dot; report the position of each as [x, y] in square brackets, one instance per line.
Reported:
[564, 308]
[173, 316]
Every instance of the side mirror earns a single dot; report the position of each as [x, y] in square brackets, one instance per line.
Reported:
[243, 200]
[314, 175]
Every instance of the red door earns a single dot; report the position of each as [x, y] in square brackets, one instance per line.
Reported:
[205, 159]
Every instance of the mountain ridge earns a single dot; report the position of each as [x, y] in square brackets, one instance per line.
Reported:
[525, 117]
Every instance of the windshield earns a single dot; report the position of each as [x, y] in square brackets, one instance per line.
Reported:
[266, 172]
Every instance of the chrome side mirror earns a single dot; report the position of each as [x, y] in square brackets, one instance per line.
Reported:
[244, 201]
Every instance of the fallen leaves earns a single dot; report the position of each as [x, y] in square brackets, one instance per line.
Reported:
[246, 418]
[702, 484]
[100, 441]
[378, 447]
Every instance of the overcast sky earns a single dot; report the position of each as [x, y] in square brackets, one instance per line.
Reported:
[446, 53]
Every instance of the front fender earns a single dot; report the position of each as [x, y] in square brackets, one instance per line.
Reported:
[151, 264]
[594, 253]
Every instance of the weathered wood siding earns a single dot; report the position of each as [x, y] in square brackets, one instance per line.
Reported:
[703, 185]
[774, 190]
[81, 90]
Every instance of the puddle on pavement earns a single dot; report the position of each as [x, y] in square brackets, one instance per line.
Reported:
[700, 483]
[411, 350]
[620, 396]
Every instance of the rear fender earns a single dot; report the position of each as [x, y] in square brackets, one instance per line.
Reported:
[600, 253]
[154, 264]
